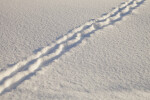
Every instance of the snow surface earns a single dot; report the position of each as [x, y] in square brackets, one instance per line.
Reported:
[73, 49]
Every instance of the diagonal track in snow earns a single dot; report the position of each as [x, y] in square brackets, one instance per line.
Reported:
[12, 77]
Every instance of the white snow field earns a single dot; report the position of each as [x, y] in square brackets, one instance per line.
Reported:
[74, 50]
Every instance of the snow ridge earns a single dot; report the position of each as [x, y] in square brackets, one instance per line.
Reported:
[15, 75]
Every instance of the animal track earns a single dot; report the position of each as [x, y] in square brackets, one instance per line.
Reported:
[13, 76]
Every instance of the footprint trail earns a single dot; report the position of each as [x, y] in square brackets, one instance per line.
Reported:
[15, 75]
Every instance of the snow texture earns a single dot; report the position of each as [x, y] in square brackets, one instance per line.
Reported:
[105, 58]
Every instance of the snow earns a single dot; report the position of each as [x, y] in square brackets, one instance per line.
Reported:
[66, 49]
